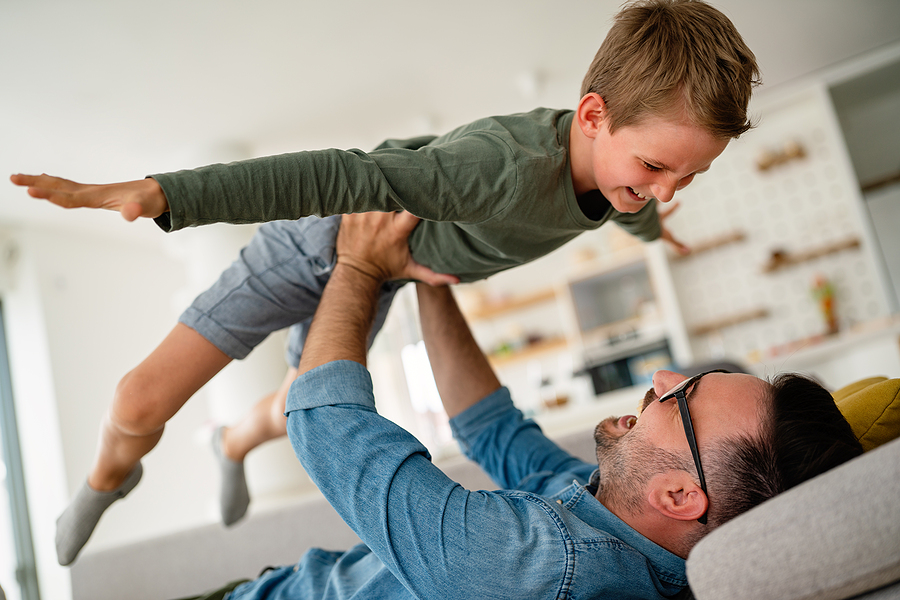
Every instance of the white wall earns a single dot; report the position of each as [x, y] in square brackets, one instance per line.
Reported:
[81, 311]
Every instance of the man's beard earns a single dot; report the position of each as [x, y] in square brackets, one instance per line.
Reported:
[623, 468]
[627, 463]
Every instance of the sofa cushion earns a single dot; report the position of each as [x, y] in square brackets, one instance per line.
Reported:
[832, 537]
[872, 407]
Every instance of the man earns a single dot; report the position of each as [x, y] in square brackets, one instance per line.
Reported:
[560, 528]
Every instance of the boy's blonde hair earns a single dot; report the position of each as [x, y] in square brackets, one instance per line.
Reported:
[674, 58]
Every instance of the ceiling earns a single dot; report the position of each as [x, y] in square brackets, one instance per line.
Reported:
[106, 90]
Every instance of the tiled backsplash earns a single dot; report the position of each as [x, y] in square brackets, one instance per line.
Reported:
[803, 205]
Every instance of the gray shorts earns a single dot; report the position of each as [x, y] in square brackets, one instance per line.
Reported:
[276, 282]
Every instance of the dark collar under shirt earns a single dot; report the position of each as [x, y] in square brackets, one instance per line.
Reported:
[594, 205]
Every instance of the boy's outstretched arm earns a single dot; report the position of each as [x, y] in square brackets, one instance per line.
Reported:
[461, 370]
[141, 198]
[666, 233]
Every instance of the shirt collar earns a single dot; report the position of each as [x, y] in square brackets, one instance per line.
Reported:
[581, 502]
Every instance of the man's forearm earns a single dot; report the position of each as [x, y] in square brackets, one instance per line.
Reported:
[343, 319]
[461, 371]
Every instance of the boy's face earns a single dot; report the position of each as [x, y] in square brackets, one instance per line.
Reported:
[652, 159]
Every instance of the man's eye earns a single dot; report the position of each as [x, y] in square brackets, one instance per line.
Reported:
[650, 167]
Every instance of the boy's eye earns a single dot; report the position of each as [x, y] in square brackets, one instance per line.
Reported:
[650, 167]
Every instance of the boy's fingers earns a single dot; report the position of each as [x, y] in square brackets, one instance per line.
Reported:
[49, 194]
[22, 179]
[57, 190]
[35, 192]
[675, 243]
[43, 181]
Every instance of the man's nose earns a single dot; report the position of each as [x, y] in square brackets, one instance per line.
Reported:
[663, 381]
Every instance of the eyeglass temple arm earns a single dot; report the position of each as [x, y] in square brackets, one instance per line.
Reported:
[692, 442]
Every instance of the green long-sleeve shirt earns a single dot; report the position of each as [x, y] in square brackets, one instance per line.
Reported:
[492, 194]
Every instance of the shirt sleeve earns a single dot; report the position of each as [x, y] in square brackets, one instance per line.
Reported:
[467, 179]
[643, 224]
[430, 532]
[513, 450]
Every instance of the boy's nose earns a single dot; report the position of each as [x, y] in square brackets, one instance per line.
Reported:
[664, 192]
[663, 381]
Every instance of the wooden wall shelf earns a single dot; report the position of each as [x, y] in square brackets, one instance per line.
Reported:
[493, 309]
[530, 351]
[729, 321]
[877, 184]
[781, 260]
[712, 243]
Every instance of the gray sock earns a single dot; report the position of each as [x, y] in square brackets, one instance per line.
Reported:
[234, 498]
[76, 524]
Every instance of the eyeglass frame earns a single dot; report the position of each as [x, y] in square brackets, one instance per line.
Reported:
[678, 392]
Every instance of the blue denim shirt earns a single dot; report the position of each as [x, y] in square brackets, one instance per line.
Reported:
[425, 536]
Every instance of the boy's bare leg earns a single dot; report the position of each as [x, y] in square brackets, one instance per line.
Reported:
[264, 422]
[145, 399]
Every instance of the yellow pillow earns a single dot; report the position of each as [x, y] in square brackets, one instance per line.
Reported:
[872, 407]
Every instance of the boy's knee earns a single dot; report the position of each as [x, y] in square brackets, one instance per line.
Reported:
[278, 422]
[136, 408]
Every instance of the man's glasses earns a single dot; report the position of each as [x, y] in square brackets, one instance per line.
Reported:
[678, 392]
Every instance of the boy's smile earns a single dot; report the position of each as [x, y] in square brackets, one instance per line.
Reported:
[638, 163]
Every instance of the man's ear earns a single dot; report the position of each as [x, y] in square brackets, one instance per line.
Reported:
[591, 113]
[675, 496]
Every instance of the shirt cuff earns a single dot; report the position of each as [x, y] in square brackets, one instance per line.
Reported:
[467, 425]
[173, 219]
[334, 383]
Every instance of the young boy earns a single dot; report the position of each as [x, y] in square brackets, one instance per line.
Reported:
[665, 93]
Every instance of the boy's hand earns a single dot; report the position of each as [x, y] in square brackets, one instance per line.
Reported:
[142, 198]
[375, 244]
[666, 234]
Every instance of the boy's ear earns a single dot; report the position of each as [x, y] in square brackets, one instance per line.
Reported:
[675, 495]
[590, 114]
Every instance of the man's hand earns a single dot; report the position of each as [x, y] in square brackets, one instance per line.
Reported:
[142, 198]
[371, 249]
[375, 244]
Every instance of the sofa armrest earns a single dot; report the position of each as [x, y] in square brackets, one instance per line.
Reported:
[833, 537]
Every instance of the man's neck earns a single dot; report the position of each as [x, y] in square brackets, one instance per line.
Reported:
[666, 533]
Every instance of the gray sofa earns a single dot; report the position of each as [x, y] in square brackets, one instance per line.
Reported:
[835, 537]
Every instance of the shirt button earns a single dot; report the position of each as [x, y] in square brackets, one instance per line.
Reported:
[559, 501]
[296, 568]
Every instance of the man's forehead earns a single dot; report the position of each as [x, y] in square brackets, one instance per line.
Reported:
[731, 382]
[737, 399]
